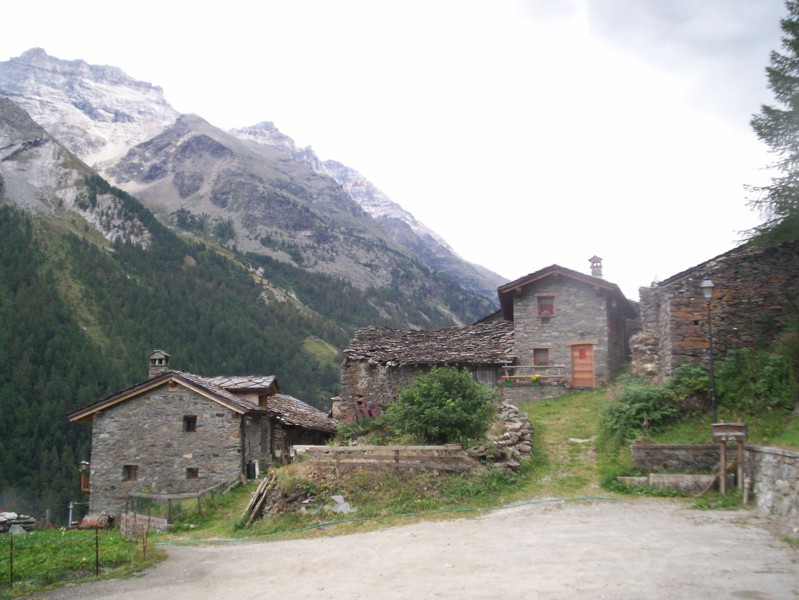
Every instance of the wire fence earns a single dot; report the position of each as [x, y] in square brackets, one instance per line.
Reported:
[42, 557]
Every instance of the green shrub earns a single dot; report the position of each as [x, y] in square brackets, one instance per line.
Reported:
[689, 388]
[368, 428]
[639, 408]
[443, 406]
[751, 381]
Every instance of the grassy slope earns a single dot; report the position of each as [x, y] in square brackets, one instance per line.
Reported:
[565, 440]
[773, 428]
[564, 466]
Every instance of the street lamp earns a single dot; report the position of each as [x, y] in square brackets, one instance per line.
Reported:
[707, 291]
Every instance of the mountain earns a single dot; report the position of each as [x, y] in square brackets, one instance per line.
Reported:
[91, 281]
[98, 112]
[118, 125]
[400, 225]
[226, 252]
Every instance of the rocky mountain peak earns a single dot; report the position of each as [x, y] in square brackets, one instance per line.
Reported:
[97, 112]
[267, 134]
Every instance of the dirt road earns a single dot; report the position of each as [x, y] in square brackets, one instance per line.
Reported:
[600, 549]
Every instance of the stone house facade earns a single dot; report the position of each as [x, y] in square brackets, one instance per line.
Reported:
[178, 433]
[756, 290]
[558, 324]
[568, 325]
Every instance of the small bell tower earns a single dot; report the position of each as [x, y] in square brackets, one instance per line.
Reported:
[159, 362]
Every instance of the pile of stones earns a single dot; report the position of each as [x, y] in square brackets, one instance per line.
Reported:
[10, 519]
[509, 441]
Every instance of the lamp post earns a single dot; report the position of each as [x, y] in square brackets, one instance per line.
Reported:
[707, 291]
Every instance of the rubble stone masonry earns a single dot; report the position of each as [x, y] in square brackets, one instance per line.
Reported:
[148, 433]
[755, 288]
[580, 315]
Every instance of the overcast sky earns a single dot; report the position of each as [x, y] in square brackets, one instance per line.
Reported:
[525, 133]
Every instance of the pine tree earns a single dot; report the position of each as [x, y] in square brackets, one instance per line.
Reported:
[778, 127]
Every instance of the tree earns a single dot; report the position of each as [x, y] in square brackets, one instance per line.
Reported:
[778, 127]
[442, 406]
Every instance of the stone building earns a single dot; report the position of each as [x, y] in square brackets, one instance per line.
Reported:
[756, 290]
[380, 360]
[179, 433]
[554, 326]
[567, 320]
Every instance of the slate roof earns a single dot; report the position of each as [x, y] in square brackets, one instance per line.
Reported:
[293, 412]
[284, 409]
[507, 290]
[483, 343]
[250, 383]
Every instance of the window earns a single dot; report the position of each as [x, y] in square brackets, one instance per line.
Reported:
[130, 472]
[189, 423]
[540, 356]
[192, 473]
[545, 308]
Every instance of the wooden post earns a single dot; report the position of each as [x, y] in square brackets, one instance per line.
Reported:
[728, 432]
[740, 465]
[723, 468]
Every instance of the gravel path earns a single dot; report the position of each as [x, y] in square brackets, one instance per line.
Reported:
[648, 548]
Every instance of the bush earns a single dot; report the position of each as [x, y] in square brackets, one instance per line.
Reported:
[751, 381]
[367, 428]
[640, 407]
[689, 388]
[443, 406]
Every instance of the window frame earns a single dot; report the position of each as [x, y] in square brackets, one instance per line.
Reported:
[130, 472]
[190, 423]
[545, 308]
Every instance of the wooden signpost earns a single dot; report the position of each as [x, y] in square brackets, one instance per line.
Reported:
[730, 432]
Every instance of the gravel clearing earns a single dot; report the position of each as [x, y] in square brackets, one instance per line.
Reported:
[650, 548]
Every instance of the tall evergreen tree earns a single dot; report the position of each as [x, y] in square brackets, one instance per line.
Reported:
[778, 127]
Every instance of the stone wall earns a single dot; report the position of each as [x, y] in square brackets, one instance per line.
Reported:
[755, 288]
[147, 432]
[775, 481]
[774, 473]
[369, 387]
[531, 393]
[580, 314]
[672, 458]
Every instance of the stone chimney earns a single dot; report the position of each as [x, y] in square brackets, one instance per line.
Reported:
[159, 362]
[596, 266]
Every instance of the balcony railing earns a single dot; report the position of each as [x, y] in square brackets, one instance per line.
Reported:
[535, 375]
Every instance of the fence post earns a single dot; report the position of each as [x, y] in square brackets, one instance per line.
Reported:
[11, 568]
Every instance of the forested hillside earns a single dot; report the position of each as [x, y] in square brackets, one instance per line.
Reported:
[77, 320]
[91, 281]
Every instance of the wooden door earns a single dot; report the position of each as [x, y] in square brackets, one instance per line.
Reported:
[583, 365]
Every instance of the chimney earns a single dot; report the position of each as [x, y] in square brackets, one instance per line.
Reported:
[596, 266]
[159, 362]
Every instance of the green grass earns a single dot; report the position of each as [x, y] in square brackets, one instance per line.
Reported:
[569, 462]
[770, 428]
[563, 465]
[44, 559]
[565, 444]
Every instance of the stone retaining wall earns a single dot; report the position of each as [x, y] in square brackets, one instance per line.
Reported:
[672, 458]
[775, 481]
[531, 393]
[774, 473]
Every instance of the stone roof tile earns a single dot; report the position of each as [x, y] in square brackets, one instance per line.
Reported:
[483, 343]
